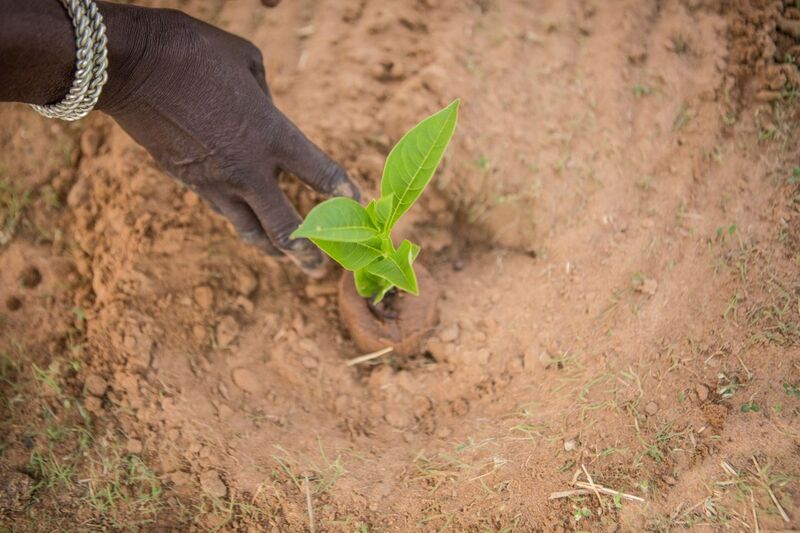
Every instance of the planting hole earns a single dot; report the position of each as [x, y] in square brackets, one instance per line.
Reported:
[30, 277]
[13, 303]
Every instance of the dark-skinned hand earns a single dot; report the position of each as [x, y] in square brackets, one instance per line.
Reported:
[197, 99]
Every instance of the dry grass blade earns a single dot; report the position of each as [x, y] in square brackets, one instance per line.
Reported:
[765, 483]
[368, 357]
[593, 486]
[311, 527]
[611, 492]
[729, 469]
[755, 515]
[568, 494]
[586, 488]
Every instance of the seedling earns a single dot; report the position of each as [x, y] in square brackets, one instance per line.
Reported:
[359, 238]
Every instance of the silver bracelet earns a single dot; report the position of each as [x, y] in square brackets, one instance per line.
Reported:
[90, 66]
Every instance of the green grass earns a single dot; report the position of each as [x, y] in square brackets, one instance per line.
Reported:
[13, 202]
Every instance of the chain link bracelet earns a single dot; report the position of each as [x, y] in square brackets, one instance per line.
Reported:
[90, 66]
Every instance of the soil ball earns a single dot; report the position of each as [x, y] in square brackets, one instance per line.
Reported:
[416, 316]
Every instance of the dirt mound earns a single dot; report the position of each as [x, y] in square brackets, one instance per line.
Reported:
[614, 233]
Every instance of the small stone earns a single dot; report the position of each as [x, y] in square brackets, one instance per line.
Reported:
[483, 355]
[204, 297]
[570, 445]
[212, 484]
[450, 333]
[702, 392]
[95, 385]
[227, 331]
[651, 408]
[310, 363]
[246, 380]
[134, 446]
[669, 480]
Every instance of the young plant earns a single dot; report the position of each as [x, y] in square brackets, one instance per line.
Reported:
[359, 238]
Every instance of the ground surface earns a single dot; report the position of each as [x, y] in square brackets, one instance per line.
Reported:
[623, 193]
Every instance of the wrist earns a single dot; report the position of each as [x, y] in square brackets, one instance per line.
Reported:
[137, 37]
[37, 52]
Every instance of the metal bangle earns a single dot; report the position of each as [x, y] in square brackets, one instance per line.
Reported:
[91, 63]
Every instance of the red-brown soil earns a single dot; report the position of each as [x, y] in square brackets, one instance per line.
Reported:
[615, 232]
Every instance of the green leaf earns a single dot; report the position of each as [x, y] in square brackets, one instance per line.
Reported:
[414, 159]
[396, 267]
[351, 255]
[337, 220]
[379, 210]
[371, 286]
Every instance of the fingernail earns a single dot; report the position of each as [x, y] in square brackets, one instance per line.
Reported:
[309, 258]
[349, 189]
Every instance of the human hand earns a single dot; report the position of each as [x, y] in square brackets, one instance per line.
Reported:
[197, 99]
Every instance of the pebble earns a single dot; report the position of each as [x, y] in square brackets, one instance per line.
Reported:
[212, 484]
[245, 380]
[570, 445]
[702, 392]
[450, 333]
[227, 331]
[483, 355]
[310, 363]
[134, 446]
[96, 385]
[204, 297]
[651, 408]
